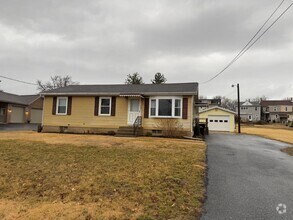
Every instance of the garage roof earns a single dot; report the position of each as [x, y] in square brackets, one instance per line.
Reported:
[220, 108]
[17, 99]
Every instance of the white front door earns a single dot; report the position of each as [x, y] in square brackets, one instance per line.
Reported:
[133, 110]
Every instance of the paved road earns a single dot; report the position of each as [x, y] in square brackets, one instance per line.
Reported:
[18, 127]
[248, 177]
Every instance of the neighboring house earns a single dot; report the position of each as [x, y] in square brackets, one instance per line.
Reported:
[108, 108]
[277, 110]
[203, 104]
[20, 108]
[219, 119]
[250, 111]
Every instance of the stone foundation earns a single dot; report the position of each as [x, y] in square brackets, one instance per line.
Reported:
[78, 130]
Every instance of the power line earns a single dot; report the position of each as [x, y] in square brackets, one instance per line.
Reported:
[16, 80]
[248, 45]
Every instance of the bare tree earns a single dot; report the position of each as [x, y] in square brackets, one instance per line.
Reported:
[227, 103]
[56, 82]
[134, 78]
[259, 98]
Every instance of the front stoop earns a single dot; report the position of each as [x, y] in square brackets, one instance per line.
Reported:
[128, 131]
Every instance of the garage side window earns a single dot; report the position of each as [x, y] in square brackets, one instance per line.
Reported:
[62, 103]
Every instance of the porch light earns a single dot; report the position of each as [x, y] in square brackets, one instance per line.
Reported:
[9, 110]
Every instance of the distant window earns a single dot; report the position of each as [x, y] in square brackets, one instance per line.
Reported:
[211, 120]
[221, 121]
[62, 105]
[216, 120]
[255, 108]
[225, 121]
[105, 106]
[276, 116]
[2, 111]
[286, 109]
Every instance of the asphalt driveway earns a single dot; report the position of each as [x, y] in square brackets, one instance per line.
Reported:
[18, 127]
[248, 177]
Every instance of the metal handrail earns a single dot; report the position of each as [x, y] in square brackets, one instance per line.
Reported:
[137, 124]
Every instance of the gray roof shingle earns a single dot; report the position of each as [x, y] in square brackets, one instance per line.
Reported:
[17, 99]
[117, 89]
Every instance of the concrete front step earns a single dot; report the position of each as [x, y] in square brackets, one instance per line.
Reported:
[125, 131]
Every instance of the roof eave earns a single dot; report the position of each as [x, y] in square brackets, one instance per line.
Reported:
[115, 94]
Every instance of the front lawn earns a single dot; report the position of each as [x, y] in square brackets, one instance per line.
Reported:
[274, 132]
[63, 176]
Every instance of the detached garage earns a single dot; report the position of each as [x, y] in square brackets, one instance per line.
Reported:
[20, 108]
[219, 119]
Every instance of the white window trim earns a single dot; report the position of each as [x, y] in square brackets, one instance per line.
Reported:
[100, 106]
[173, 106]
[57, 105]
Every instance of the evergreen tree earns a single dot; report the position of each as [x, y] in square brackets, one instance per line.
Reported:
[159, 79]
[134, 78]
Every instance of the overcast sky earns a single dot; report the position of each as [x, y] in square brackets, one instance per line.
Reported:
[99, 42]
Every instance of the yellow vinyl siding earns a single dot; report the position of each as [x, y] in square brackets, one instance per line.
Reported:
[82, 114]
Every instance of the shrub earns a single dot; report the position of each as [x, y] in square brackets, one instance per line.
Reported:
[149, 134]
[171, 128]
[111, 133]
[261, 122]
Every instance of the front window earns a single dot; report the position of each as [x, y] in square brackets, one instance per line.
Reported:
[166, 107]
[177, 107]
[105, 106]
[153, 107]
[62, 105]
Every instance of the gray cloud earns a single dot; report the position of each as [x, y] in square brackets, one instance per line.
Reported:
[103, 41]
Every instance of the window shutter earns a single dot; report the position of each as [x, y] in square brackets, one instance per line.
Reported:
[54, 105]
[96, 110]
[185, 108]
[146, 107]
[113, 106]
[69, 105]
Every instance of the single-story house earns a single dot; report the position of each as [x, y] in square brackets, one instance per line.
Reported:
[219, 119]
[20, 108]
[110, 108]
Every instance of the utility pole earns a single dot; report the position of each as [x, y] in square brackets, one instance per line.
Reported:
[238, 107]
[238, 96]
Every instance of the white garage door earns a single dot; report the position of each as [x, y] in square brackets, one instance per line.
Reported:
[17, 115]
[219, 123]
[36, 116]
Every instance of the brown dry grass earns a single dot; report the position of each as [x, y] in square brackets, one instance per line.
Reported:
[64, 176]
[274, 132]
